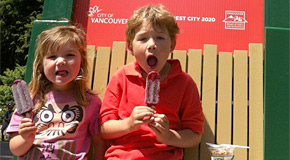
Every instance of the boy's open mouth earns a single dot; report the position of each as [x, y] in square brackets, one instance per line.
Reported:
[152, 61]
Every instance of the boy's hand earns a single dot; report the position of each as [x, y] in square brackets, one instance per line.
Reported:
[27, 129]
[139, 116]
[160, 126]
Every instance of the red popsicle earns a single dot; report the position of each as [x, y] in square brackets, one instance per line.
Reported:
[22, 97]
[152, 89]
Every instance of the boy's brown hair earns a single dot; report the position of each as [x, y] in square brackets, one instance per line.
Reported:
[154, 15]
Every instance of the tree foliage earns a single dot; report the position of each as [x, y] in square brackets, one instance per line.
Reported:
[8, 78]
[16, 24]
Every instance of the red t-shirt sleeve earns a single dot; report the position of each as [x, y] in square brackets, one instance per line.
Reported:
[111, 101]
[191, 111]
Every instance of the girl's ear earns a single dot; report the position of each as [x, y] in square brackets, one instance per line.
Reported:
[173, 43]
[130, 50]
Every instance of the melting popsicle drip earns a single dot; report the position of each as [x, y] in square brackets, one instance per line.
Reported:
[22, 97]
[152, 89]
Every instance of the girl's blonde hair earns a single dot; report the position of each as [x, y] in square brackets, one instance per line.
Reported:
[154, 15]
[54, 39]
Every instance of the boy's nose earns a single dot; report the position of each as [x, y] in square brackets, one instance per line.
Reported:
[152, 45]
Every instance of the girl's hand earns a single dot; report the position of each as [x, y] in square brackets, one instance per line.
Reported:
[160, 126]
[21, 142]
[27, 129]
[139, 116]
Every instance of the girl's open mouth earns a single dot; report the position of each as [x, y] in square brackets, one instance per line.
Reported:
[61, 73]
[152, 61]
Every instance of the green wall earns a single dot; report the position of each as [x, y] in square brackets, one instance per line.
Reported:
[277, 94]
[55, 13]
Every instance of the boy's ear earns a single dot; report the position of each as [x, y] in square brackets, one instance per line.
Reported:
[173, 43]
[130, 50]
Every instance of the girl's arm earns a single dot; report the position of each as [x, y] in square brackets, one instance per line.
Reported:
[22, 141]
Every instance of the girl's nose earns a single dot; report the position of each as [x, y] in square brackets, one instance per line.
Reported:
[60, 61]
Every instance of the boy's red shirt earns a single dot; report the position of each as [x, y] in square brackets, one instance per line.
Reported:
[179, 101]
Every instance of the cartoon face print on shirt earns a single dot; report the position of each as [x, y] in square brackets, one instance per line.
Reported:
[54, 120]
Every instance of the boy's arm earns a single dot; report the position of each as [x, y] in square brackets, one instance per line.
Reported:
[184, 138]
[114, 129]
[140, 115]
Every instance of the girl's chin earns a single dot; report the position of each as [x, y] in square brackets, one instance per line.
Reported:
[61, 86]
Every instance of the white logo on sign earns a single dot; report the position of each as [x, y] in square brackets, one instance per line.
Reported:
[235, 20]
[96, 16]
[93, 10]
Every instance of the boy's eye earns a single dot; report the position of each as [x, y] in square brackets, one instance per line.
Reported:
[142, 39]
[160, 37]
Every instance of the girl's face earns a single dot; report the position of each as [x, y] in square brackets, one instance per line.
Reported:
[62, 66]
[151, 47]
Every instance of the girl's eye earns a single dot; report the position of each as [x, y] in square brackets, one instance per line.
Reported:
[70, 55]
[51, 57]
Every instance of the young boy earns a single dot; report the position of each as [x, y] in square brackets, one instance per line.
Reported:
[176, 122]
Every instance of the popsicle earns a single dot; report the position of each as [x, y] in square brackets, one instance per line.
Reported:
[152, 89]
[22, 97]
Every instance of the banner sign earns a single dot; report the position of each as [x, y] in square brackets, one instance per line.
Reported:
[231, 25]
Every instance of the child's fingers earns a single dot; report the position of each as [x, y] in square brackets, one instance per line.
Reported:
[24, 120]
[148, 119]
[27, 129]
[26, 125]
[160, 123]
[161, 119]
[143, 113]
[157, 126]
[144, 117]
[144, 108]
[154, 129]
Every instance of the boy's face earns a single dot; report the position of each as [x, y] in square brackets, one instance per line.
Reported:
[151, 47]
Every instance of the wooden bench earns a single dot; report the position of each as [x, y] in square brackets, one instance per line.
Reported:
[230, 87]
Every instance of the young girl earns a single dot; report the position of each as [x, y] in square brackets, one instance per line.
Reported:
[66, 111]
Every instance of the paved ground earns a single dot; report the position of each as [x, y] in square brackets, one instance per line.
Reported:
[5, 153]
